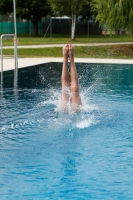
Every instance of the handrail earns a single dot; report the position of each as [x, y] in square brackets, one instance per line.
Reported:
[15, 51]
[3, 35]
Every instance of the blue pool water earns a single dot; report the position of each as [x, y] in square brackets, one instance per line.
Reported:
[46, 154]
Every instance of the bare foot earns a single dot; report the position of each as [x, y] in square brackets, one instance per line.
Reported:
[71, 52]
[65, 51]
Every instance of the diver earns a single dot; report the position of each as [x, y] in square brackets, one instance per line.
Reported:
[70, 100]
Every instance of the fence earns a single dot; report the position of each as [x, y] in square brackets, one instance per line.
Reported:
[58, 27]
[22, 27]
[64, 27]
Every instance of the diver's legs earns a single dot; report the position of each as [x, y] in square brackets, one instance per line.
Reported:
[75, 99]
[65, 75]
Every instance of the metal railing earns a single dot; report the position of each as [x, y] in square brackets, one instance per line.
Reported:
[15, 60]
[3, 35]
[15, 51]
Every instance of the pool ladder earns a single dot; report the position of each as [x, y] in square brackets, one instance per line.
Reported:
[15, 58]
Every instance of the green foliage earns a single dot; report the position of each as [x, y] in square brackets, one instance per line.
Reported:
[27, 9]
[86, 12]
[115, 14]
[70, 8]
[65, 7]
[6, 6]
[131, 20]
[30, 9]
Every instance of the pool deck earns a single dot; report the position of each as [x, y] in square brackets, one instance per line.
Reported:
[8, 63]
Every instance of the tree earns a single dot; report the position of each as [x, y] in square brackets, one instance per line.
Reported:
[115, 14]
[86, 12]
[32, 10]
[6, 6]
[70, 8]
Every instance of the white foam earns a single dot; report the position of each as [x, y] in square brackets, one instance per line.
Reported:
[48, 111]
[85, 123]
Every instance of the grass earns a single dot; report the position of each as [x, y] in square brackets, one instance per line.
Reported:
[111, 51]
[63, 39]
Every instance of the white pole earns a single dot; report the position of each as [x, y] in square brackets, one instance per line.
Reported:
[15, 48]
[50, 28]
[1, 66]
[88, 28]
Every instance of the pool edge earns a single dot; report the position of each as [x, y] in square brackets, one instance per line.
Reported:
[8, 63]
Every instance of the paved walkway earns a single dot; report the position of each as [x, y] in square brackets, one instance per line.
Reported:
[61, 45]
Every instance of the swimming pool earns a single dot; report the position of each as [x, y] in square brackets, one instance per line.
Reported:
[46, 154]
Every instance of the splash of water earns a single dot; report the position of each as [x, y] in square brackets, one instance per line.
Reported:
[46, 113]
[86, 118]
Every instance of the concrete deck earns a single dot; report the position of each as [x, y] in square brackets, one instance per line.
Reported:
[8, 63]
